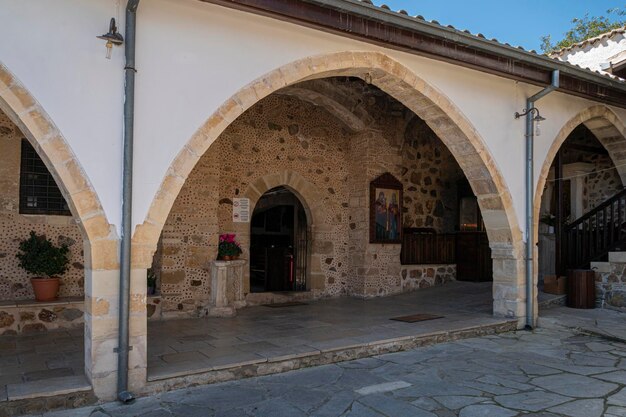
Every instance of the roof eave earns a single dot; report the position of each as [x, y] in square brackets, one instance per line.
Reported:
[468, 39]
[359, 20]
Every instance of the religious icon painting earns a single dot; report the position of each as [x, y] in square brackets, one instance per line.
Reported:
[385, 210]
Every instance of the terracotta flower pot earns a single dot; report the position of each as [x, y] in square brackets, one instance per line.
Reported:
[46, 289]
[227, 257]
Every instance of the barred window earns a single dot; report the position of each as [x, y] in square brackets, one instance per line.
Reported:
[39, 193]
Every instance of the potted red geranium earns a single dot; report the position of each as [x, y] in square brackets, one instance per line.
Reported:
[43, 259]
[228, 248]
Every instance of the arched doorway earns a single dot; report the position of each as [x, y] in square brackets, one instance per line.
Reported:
[426, 102]
[278, 243]
[580, 212]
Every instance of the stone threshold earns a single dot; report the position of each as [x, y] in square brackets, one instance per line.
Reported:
[33, 303]
[265, 366]
[39, 397]
[46, 388]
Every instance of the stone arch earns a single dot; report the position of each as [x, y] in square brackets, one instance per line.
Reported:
[441, 115]
[606, 127]
[306, 192]
[311, 200]
[22, 108]
[334, 99]
[337, 109]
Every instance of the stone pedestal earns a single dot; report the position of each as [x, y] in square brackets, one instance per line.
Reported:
[226, 288]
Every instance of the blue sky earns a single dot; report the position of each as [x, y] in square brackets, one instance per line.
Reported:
[521, 22]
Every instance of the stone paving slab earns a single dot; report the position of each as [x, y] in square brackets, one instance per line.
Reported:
[47, 387]
[317, 333]
[490, 376]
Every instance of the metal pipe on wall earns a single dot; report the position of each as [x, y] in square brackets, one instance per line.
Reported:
[123, 346]
[530, 192]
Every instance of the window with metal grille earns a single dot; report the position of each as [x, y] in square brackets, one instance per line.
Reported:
[39, 193]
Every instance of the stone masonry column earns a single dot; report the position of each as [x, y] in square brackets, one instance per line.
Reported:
[374, 268]
[138, 327]
[509, 283]
[101, 317]
[102, 321]
[358, 221]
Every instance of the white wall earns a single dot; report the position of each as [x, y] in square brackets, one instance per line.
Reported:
[191, 57]
[51, 47]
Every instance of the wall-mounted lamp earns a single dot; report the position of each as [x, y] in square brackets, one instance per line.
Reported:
[112, 38]
[535, 119]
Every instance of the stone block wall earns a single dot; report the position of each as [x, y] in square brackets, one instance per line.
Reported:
[604, 182]
[154, 307]
[416, 277]
[33, 317]
[430, 174]
[329, 159]
[14, 227]
[611, 287]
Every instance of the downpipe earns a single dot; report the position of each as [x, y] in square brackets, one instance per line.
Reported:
[530, 199]
[123, 349]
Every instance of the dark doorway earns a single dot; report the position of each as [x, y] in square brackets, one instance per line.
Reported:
[473, 254]
[279, 243]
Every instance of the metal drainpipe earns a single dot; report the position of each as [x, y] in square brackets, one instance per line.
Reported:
[530, 192]
[123, 394]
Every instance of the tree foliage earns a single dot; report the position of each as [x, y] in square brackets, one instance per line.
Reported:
[585, 28]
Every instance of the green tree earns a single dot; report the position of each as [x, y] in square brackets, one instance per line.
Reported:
[585, 28]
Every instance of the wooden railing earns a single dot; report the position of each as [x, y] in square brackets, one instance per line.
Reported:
[423, 246]
[598, 232]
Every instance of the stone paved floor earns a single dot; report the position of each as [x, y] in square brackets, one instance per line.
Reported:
[179, 347]
[36, 357]
[185, 346]
[548, 372]
[610, 323]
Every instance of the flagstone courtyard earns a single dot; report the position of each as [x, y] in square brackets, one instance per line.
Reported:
[548, 372]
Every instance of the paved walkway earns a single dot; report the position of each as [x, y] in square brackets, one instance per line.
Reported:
[548, 372]
[609, 323]
[37, 357]
[256, 335]
[180, 347]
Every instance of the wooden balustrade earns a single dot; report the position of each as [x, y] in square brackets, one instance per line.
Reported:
[598, 232]
[423, 246]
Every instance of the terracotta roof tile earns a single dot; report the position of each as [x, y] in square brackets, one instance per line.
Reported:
[495, 41]
[589, 41]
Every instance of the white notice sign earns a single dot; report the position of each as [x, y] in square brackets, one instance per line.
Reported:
[241, 210]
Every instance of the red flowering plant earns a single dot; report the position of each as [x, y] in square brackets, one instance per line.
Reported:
[228, 246]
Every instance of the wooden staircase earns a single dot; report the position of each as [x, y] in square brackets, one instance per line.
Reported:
[600, 231]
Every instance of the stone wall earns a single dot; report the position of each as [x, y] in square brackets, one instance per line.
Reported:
[415, 277]
[14, 281]
[430, 174]
[333, 161]
[611, 284]
[33, 317]
[603, 183]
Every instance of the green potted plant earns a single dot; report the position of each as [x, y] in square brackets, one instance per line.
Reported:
[42, 258]
[228, 248]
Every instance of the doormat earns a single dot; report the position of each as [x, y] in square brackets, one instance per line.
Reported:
[417, 317]
[287, 304]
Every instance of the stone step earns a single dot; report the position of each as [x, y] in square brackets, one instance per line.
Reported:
[617, 257]
[551, 300]
[186, 376]
[601, 266]
[47, 387]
